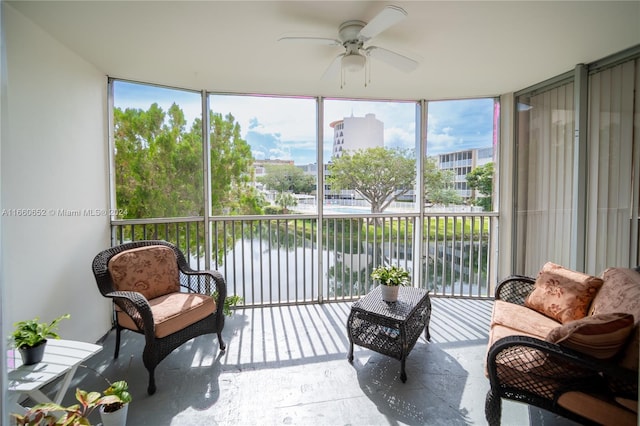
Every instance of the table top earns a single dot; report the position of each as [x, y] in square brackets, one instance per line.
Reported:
[59, 357]
[409, 299]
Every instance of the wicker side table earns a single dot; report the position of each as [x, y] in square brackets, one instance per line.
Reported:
[391, 329]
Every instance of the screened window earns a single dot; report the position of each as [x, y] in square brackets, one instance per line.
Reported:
[461, 142]
[263, 154]
[370, 148]
[158, 151]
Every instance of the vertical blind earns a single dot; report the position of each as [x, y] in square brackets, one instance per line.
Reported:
[613, 160]
[545, 173]
[544, 211]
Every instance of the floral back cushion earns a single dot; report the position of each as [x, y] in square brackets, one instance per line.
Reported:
[151, 270]
[563, 294]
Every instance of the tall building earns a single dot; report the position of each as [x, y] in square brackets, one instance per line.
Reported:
[462, 162]
[351, 134]
[354, 133]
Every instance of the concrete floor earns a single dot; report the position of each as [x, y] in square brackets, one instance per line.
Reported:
[288, 365]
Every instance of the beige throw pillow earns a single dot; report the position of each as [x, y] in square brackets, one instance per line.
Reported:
[563, 294]
[600, 336]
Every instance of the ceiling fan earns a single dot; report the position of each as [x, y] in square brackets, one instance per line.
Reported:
[353, 35]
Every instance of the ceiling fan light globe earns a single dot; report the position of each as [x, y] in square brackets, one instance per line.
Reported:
[353, 63]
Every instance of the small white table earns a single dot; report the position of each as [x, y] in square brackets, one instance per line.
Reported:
[61, 359]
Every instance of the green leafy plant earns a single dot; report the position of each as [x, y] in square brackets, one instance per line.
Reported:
[32, 332]
[119, 389]
[391, 275]
[77, 414]
[229, 301]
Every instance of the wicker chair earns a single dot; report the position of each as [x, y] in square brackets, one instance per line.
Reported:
[152, 277]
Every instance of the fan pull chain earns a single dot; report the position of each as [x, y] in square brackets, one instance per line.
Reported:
[367, 72]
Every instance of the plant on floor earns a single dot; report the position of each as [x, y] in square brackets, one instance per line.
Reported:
[229, 301]
[114, 412]
[121, 390]
[49, 414]
[391, 275]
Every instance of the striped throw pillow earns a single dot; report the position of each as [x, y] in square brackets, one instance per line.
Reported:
[600, 336]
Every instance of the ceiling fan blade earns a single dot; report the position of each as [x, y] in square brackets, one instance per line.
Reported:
[334, 68]
[394, 59]
[312, 40]
[388, 17]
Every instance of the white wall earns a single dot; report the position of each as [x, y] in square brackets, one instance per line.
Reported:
[54, 156]
[3, 131]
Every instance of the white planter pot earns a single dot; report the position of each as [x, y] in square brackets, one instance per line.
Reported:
[117, 418]
[389, 292]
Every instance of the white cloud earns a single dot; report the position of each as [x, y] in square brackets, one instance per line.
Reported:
[400, 137]
[278, 153]
[290, 118]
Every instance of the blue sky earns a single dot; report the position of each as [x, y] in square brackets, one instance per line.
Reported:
[284, 128]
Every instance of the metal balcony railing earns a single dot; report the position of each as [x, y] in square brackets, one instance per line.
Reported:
[294, 259]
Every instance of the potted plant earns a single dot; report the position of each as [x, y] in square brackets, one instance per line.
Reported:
[77, 414]
[115, 413]
[391, 278]
[30, 337]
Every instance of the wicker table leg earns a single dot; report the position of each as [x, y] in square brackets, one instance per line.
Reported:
[403, 374]
[427, 319]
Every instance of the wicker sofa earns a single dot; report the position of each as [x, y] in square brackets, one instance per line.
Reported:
[567, 342]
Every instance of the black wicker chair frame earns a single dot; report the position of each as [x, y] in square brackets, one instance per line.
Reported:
[564, 369]
[137, 306]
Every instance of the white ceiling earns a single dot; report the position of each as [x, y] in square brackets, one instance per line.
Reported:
[465, 49]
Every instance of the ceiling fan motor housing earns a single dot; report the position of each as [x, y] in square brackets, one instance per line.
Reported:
[353, 60]
[350, 32]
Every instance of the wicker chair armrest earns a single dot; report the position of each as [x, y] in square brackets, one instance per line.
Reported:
[560, 362]
[204, 282]
[137, 307]
[515, 289]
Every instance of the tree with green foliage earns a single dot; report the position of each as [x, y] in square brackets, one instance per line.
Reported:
[232, 191]
[159, 170]
[158, 165]
[286, 200]
[287, 178]
[481, 179]
[379, 175]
